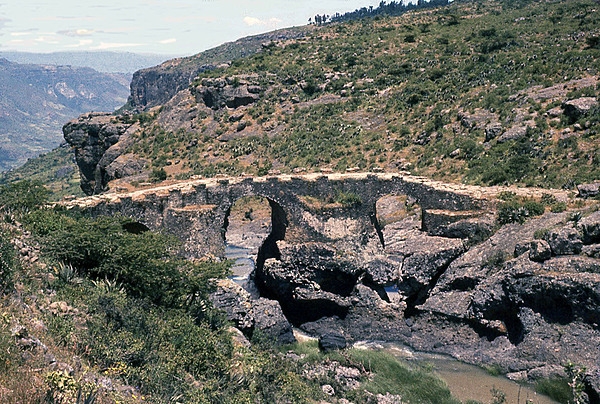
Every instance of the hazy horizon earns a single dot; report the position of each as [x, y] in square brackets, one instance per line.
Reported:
[160, 27]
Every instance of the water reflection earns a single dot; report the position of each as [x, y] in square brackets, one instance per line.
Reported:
[466, 382]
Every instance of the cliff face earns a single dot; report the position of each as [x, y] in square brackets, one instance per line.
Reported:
[99, 141]
[156, 85]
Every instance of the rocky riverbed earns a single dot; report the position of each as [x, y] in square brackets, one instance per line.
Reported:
[521, 297]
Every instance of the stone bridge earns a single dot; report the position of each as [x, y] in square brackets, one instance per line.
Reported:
[334, 208]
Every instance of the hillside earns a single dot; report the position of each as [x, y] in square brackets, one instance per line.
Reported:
[35, 100]
[429, 180]
[476, 92]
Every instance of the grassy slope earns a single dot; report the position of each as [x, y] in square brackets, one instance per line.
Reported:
[399, 93]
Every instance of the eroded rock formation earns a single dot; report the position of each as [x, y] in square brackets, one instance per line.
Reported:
[524, 303]
[99, 141]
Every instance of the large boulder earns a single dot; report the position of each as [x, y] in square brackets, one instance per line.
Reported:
[579, 107]
[425, 258]
[236, 303]
[540, 251]
[332, 341]
[271, 322]
[219, 93]
[310, 280]
[589, 190]
[252, 316]
[590, 228]
[565, 241]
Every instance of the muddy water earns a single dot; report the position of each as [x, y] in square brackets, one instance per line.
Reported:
[466, 382]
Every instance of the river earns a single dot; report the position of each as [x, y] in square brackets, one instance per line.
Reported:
[466, 382]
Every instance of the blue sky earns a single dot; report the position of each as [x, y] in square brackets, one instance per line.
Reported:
[170, 27]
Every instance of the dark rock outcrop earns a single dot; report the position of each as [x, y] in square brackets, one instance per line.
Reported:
[471, 225]
[252, 315]
[98, 140]
[157, 85]
[269, 319]
[540, 251]
[590, 228]
[579, 107]
[589, 190]
[231, 93]
[332, 342]
[565, 241]
[309, 280]
[528, 314]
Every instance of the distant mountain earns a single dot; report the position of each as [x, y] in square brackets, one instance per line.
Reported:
[36, 100]
[107, 62]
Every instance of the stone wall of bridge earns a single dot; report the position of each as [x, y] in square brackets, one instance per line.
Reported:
[305, 208]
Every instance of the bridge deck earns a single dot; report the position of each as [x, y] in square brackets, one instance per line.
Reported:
[476, 192]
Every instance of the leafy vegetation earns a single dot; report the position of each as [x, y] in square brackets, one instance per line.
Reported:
[22, 196]
[8, 262]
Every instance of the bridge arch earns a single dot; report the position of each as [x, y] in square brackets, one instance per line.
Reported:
[252, 225]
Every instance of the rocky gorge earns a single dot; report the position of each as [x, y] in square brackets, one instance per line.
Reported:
[521, 297]
[524, 300]
[474, 272]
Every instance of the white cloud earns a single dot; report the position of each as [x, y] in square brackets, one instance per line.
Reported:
[47, 40]
[252, 21]
[168, 41]
[82, 42]
[77, 32]
[21, 33]
[114, 45]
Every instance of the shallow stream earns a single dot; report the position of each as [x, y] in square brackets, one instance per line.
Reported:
[243, 262]
[466, 382]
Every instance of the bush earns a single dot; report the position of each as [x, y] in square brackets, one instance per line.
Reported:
[348, 199]
[22, 196]
[515, 211]
[145, 264]
[558, 389]
[158, 175]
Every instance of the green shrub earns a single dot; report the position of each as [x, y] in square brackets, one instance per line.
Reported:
[158, 175]
[497, 259]
[541, 234]
[558, 207]
[348, 198]
[22, 196]
[145, 264]
[515, 211]
[558, 389]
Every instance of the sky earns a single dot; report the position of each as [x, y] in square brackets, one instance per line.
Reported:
[169, 27]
